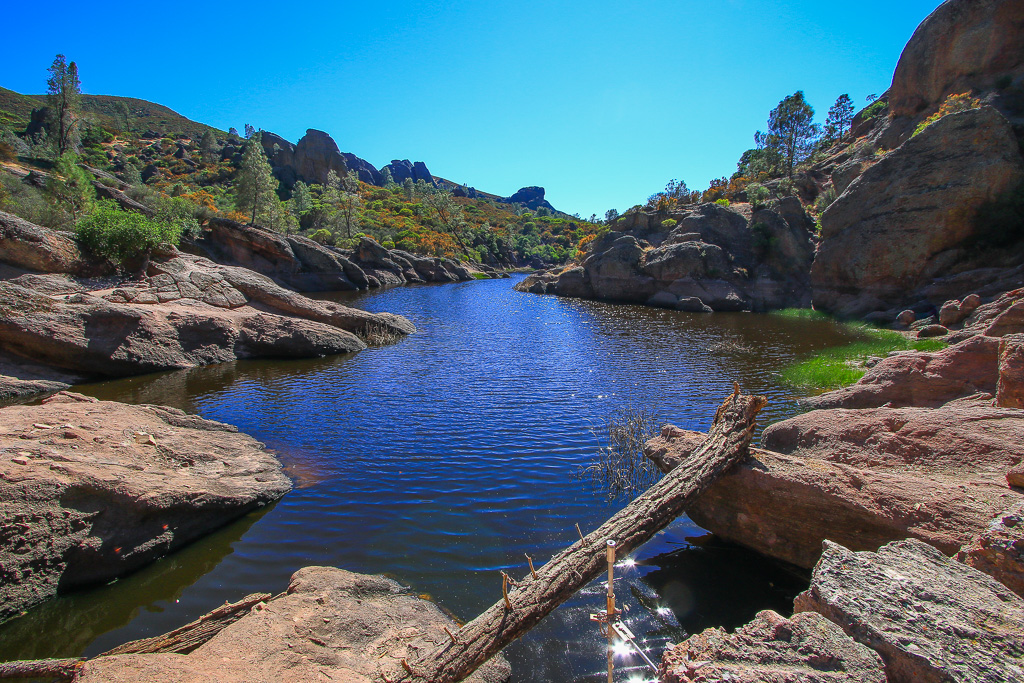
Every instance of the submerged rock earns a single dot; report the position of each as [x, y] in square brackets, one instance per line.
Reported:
[92, 490]
[930, 618]
[331, 625]
[805, 649]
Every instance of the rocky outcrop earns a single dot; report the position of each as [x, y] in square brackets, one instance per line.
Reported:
[805, 649]
[531, 197]
[709, 257]
[302, 264]
[930, 618]
[31, 247]
[92, 335]
[963, 45]
[92, 490]
[862, 478]
[999, 549]
[330, 625]
[923, 197]
[402, 169]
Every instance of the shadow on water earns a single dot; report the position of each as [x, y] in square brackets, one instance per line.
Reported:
[68, 625]
[444, 459]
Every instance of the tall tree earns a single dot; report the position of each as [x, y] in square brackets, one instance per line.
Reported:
[207, 145]
[349, 203]
[63, 95]
[409, 189]
[255, 185]
[302, 200]
[448, 213]
[386, 179]
[839, 118]
[791, 131]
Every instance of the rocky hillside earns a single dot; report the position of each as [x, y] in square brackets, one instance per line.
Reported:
[921, 202]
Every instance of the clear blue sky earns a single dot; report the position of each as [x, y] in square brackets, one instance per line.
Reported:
[601, 102]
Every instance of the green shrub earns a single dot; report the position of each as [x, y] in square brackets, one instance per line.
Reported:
[123, 235]
[722, 202]
[825, 199]
[758, 195]
[669, 223]
[874, 109]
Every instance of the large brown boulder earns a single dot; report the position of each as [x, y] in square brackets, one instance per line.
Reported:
[92, 490]
[922, 378]
[931, 619]
[32, 247]
[88, 334]
[906, 219]
[862, 478]
[330, 625]
[963, 45]
[805, 649]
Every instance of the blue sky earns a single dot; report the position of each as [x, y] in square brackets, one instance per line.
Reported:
[600, 102]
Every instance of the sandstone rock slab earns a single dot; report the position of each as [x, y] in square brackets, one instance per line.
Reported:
[1010, 388]
[92, 490]
[805, 649]
[999, 550]
[930, 618]
[331, 625]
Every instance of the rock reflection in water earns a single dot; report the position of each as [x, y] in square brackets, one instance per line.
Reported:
[90, 619]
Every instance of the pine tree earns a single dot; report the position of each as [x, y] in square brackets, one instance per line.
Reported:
[839, 118]
[302, 200]
[791, 131]
[386, 179]
[207, 145]
[63, 95]
[409, 189]
[255, 186]
[131, 174]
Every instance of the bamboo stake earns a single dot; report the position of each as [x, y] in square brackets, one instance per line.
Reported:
[573, 568]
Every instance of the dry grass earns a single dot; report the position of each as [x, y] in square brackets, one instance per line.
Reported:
[621, 468]
[378, 334]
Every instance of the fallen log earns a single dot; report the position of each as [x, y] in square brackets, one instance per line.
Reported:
[533, 598]
[64, 669]
[190, 636]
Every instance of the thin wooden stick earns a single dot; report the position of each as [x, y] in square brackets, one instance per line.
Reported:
[450, 635]
[579, 531]
[530, 560]
[504, 590]
[568, 571]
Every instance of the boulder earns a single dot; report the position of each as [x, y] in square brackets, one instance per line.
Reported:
[88, 334]
[92, 490]
[32, 247]
[929, 331]
[962, 160]
[1010, 389]
[963, 45]
[906, 318]
[315, 156]
[862, 478]
[805, 649]
[614, 272]
[999, 549]
[330, 625]
[920, 378]
[930, 618]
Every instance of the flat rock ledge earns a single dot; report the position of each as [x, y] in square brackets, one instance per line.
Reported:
[331, 625]
[92, 490]
[805, 649]
[932, 619]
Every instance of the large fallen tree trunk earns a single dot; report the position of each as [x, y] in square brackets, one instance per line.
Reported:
[533, 598]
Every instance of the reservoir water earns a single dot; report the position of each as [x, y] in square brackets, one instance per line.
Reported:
[443, 459]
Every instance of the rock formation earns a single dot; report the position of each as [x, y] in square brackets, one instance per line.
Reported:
[862, 478]
[331, 625]
[930, 618]
[961, 46]
[709, 257]
[92, 490]
[805, 649]
[909, 217]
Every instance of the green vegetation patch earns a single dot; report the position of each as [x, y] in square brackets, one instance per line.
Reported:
[802, 313]
[843, 365]
[122, 235]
